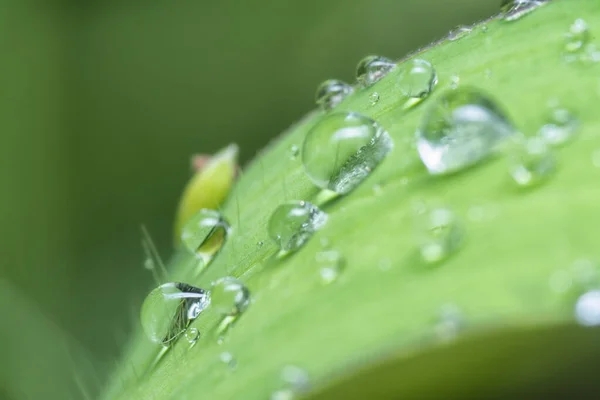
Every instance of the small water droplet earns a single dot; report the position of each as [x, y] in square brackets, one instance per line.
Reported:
[560, 126]
[587, 308]
[283, 394]
[229, 296]
[295, 381]
[228, 359]
[373, 98]
[331, 264]
[438, 233]
[293, 223]
[372, 68]
[460, 129]
[450, 322]
[342, 149]
[513, 10]
[204, 234]
[377, 190]
[192, 335]
[331, 93]
[417, 79]
[459, 32]
[168, 310]
[294, 151]
[454, 81]
[260, 243]
[577, 37]
[530, 161]
[484, 28]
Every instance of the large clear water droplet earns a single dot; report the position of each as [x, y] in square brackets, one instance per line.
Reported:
[342, 149]
[439, 233]
[372, 68]
[331, 93]
[331, 264]
[229, 296]
[168, 310]
[530, 161]
[460, 129]
[204, 234]
[561, 125]
[587, 308]
[292, 224]
[417, 79]
[513, 10]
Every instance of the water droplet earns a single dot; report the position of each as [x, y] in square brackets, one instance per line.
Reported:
[560, 127]
[587, 308]
[373, 98]
[530, 161]
[229, 296]
[577, 37]
[513, 10]
[417, 79]
[449, 323]
[342, 149]
[168, 310]
[372, 68]
[192, 335]
[438, 233]
[293, 223]
[454, 81]
[228, 359]
[377, 190]
[460, 129]
[331, 264]
[331, 93]
[260, 243]
[560, 281]
[459, 32]
[283, 394]
[295, 382]
[205, 233]
[294, 151]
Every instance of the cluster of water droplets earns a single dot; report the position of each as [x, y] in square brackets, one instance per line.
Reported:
[513, 10]
[578, 46]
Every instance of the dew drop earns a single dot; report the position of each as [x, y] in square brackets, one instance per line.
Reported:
[295, 382]
[417, 79]
[460, 129]
[228, 359]
[168, 310]
[513, 10]
[260, 243]
[294, 151]
[229, 296]
[530, 161]
[454, 81]
[293, 223]
[372, 68]
[459, 32]
[374, 98]
[438, 233]
[331, 264]
[577, 37]
[450, 322]
[560, 126]
[331, 93]
[342, 149]
[205, 233]
[192, 335]
[587, 308]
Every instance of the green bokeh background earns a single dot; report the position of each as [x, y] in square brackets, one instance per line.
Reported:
[102, 104]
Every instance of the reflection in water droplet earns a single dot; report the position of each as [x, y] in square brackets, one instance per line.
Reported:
[417, 79]
[294, 151]
[229, 296]
[228, 359]
[438, 233]
[342, 149]
[449, 323]
[168, 310]
[372, 68]
[587, 308]
[331, 93]
[459, 32]
[373, 98]
[204, 234]
[460, 129]
[530, 161]
[293, 223]
[560, 126]
[513, 10]
[331, 264]
[192, 335]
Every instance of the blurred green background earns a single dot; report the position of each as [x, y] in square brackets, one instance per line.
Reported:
[103, 102]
